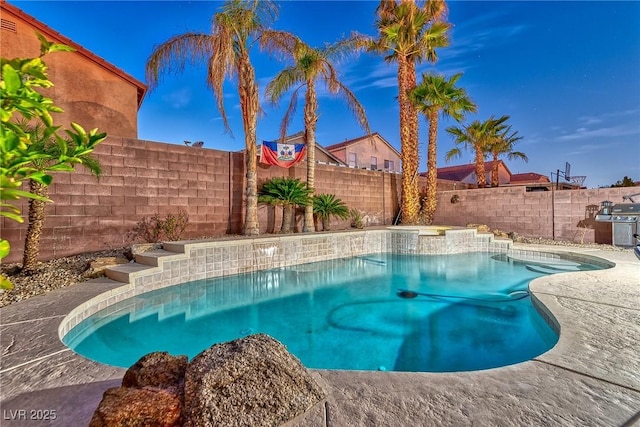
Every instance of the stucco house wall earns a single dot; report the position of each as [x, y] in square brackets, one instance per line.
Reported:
[365, 148]
[91, 91]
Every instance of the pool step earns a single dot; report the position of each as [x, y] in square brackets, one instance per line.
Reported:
[122, 272]
[153, 257]
[142, 261]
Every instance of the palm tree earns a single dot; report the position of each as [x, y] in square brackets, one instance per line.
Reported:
[503, 145]
[226, 52]
[310, 65]
[43, 142]
[409, 33]
[437, 95]
[477, 136]
[288, 193]
[327, 205]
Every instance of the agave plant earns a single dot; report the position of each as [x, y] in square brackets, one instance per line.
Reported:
[327, 205]
[288, 193]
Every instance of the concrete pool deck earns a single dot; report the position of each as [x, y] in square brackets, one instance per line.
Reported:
[590, 378]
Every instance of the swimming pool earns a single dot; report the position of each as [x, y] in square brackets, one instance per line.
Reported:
[374, 312]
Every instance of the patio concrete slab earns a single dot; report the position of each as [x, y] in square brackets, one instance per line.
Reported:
[590, 378]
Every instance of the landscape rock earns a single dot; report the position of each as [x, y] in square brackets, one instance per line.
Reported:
[97, 267]
[247, 382]
[140, 248]
[500, 233]
[138, 407]
[481, 228]
[158, 369]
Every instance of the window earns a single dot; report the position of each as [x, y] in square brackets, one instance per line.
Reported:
[388, 165]
[374, 163]
[353, 160]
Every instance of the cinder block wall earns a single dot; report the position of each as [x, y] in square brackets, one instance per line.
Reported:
[142, 178]
[139, 179]
[563, 215]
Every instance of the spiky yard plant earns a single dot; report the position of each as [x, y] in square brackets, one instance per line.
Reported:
[288, 193]
[326, 206]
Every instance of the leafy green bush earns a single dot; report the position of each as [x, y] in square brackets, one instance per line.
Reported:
[20, 99]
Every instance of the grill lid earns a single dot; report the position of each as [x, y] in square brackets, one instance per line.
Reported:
[626, 209]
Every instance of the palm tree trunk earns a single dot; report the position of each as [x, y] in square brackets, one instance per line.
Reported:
[287, 214]
[310, 119]
[432, 168]
[495, 177]
[480, 172]
[34, 230]
[248, 92]
[409, 143]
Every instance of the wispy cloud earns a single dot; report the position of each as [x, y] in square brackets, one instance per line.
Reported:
[178, 99]
[608, 116]
[602, 132]
[610, 124]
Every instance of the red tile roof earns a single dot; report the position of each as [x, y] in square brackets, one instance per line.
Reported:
[521, 178]
[460, 172]
[359, 139]
[53, 34]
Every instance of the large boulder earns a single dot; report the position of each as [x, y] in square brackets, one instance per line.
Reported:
[247, 382]
[151, 394]
[138, 407]
[158, 369]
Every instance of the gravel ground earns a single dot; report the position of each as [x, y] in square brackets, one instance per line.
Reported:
[49, 275]
[66, 271]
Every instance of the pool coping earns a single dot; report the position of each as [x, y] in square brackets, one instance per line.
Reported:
[591, 377]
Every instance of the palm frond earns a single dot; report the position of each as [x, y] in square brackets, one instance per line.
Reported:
[172, 56]
[283, 82]
[280, 43]
[355, 107]
[289, 114]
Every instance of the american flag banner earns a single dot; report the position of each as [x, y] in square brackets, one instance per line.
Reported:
[283, 155]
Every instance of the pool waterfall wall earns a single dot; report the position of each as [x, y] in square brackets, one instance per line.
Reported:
[185, 261]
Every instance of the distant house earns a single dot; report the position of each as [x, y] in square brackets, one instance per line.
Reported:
[467, 173]
[531, 180]
[367, 152]
[322, 155]
[528, 178]
[90, 90]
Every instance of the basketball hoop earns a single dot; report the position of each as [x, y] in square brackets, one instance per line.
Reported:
[578, 180]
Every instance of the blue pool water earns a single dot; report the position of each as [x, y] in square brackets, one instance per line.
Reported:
[378, 312]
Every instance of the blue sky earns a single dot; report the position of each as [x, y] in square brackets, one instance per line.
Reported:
[568, 74]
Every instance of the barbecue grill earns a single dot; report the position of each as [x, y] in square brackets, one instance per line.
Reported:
[625, 219]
